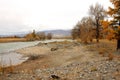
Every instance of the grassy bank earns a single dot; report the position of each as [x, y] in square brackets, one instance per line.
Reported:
[3, 40]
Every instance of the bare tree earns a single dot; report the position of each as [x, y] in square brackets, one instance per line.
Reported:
[84, 30]
[49, 36]
[41, 36]
[98, 13]
[76, 32]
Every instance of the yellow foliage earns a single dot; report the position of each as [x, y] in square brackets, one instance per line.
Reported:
[105, 30]
[118, 27]
[111, 31]
[110, 36]
[105, 24]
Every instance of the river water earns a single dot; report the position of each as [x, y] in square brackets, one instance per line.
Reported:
[9, 57]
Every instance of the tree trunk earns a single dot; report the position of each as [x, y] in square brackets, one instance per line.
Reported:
[97, 30]
[118, 44]
[118, 41]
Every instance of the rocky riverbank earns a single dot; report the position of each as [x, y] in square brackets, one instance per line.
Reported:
[64, 61]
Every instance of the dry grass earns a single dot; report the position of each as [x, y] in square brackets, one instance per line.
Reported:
[110, 56]
[5, 70]
[2, 40]
[104, 46]
[62, 42]
[66, 37]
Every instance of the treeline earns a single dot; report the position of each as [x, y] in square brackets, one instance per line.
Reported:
[99, 24]
[90, 27]
[10, 36]
[38, 36]
[84, 29]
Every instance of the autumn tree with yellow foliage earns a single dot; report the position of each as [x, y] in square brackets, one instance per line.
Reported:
[112, 27]
[31, 36]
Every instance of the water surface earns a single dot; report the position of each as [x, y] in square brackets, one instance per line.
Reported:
[6, 47]
[9, 57]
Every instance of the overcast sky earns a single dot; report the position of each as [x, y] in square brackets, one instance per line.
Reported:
[26, 15]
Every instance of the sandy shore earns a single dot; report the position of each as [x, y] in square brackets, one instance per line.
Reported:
[64, 61]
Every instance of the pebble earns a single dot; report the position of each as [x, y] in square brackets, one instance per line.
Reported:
[75, 71]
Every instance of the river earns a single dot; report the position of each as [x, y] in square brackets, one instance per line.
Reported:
[9, 57]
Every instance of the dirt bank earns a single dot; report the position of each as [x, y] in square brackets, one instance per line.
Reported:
[64, 61]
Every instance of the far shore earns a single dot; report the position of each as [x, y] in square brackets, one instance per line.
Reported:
[5, 40]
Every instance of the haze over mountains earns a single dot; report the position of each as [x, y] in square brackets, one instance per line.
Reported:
[55, 33]
[59, 33]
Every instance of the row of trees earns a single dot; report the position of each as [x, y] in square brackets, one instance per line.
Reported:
[84, 30]
[89, 27]
[38, 36]
[97, 25]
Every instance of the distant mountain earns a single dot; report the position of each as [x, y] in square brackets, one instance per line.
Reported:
[19, 34]
[55, 33]
[58, 33]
